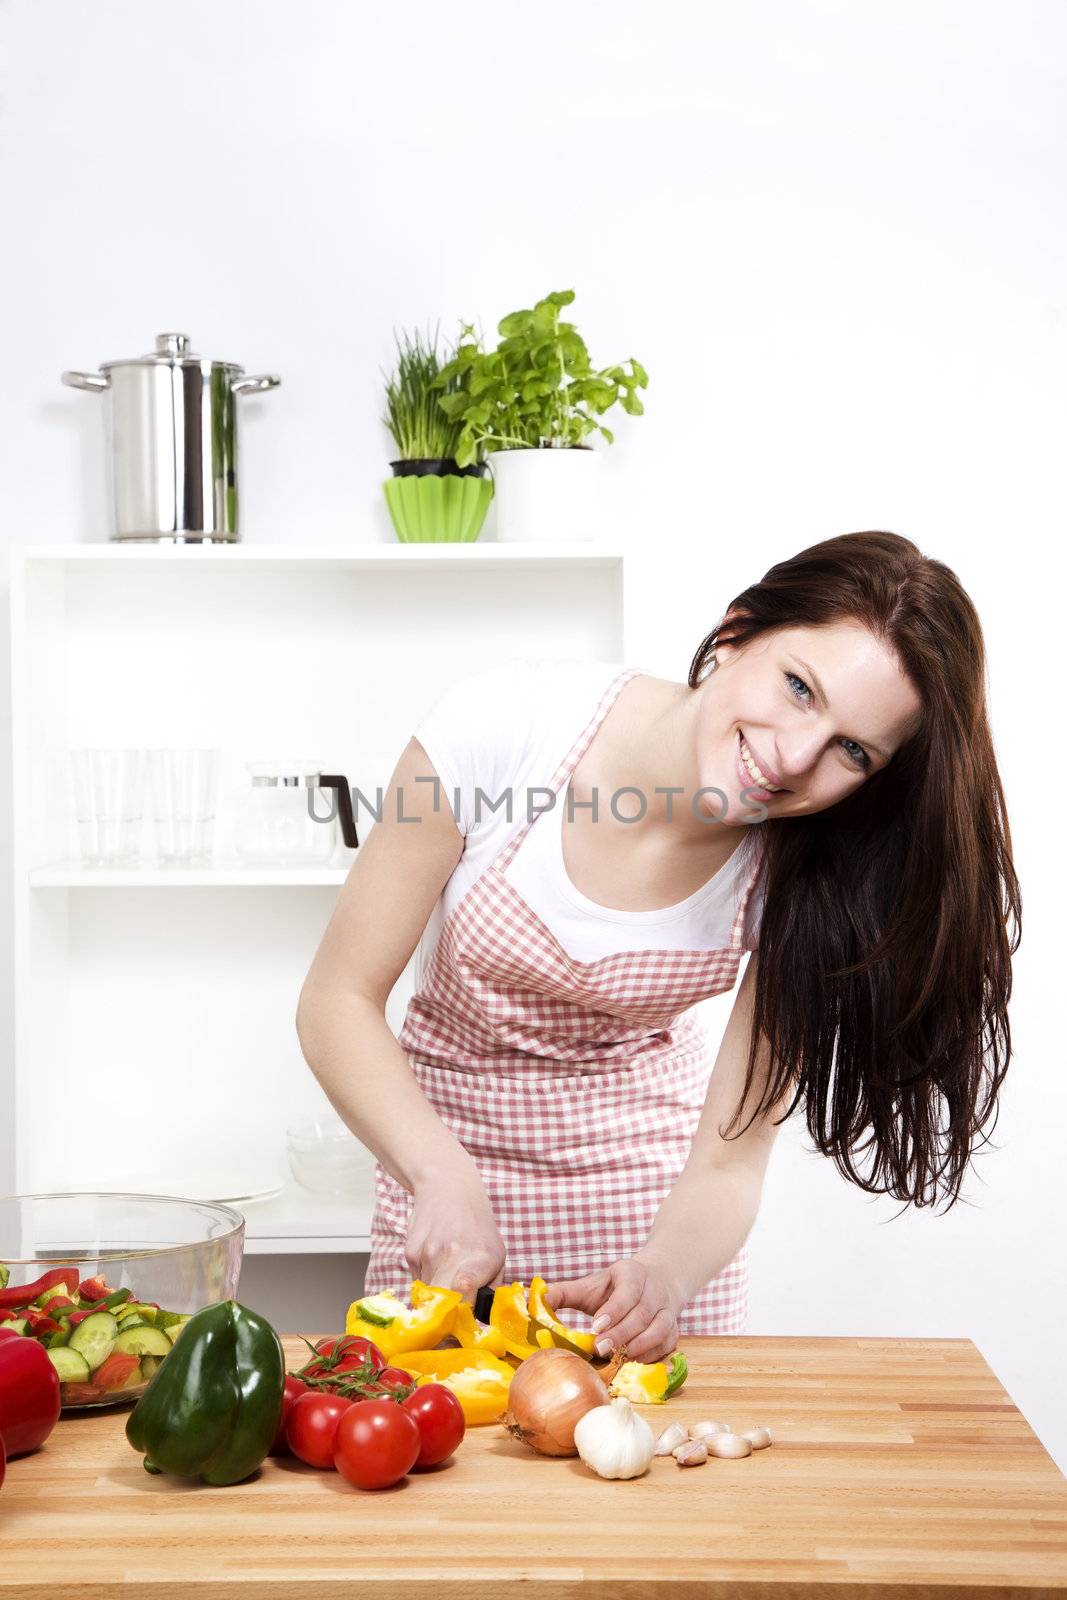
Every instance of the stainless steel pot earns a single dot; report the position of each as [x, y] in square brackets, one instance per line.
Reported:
[171, 422]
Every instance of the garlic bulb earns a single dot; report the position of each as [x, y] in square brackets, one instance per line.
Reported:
[614, 1440]
[669, 1439]
[704, 1430]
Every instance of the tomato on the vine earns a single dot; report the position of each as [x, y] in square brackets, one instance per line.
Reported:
[293, 1390]
[343, 1355]
[440, 1421]
[313, 1422]
[376, 1443]
[394, 1378]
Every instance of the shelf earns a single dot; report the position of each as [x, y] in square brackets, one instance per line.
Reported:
[75, 877]
[579, 553]
[297, 1222]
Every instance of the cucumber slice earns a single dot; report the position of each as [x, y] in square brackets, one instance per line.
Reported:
[16, 1325]
[71, 1367]
[168, 1319]
[173, 1331]
[150, 1365]
[378, 1309]
[135, 1308]
[55, 1341]
[142, 1341]
[95, 1338]
[133, 1321]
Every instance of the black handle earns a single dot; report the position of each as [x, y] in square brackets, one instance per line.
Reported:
[337, 780]
[483, 1302]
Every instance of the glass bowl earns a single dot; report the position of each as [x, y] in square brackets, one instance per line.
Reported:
[173, 1256]
[327, 1158]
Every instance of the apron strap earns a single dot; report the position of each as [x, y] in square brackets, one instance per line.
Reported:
[572, 758]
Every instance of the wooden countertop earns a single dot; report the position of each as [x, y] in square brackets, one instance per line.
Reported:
[900, 1468]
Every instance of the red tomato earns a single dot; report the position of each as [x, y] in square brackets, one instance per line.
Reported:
[376, 1443]
[313, 1421]
[440, 1421]
[355, 1352]
[293, 1389]
[394, 1378]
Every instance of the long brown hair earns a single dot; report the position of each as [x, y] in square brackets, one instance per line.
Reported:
[890, 919]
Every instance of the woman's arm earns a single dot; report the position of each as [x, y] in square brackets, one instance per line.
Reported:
[708, 1215]
[705, 1219]
[380, 915]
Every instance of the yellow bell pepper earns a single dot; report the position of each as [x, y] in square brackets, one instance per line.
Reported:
[472, 1335]
[510, 1315]
[540, 1313]
[479, 1380]
[394, 1328]
[651, 1383]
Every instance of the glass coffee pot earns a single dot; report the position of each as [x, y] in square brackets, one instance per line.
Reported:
[284, 819]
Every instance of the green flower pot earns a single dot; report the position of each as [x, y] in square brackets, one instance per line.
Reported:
[433, 510]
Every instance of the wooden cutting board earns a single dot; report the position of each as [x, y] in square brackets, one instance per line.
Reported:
[900, 1468]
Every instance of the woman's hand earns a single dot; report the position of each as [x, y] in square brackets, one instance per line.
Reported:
[633, 1302]
[453, 1240]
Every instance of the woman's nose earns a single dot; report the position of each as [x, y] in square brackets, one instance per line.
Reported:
[798, 753]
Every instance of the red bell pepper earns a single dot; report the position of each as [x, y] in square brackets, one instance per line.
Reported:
[3, 1461]
[22, 1293]
[39, 1321]
[96, 1288]
[29, 1393]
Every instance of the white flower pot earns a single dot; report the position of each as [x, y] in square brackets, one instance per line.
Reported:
[546, 494]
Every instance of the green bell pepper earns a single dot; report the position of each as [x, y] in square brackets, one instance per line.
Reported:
[213, 1408]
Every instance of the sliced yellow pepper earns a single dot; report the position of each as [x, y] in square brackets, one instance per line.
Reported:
[394, 1328]
[651, 1383]
[479, 1380]
[539, 1312]
[510, 1315]
[473, 1336]
[644, 1384]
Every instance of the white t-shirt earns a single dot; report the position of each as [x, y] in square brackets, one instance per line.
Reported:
[504, 731]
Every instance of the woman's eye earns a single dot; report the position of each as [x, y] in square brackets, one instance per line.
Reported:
[855, 752]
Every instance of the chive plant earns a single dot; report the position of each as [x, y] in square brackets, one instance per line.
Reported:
[414, 416]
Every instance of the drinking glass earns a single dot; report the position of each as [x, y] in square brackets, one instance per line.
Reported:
[184, 789]
[109, 804]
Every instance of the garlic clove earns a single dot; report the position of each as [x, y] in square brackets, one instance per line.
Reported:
[691, 1454]
[758, 1438]
[704, 1430]
[728, 1445]
[670, 1438]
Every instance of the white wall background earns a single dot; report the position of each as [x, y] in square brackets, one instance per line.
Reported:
[832, 231]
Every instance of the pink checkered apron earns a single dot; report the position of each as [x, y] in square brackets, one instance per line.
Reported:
[575, 1086]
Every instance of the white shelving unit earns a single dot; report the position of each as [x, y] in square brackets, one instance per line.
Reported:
[154, 1017]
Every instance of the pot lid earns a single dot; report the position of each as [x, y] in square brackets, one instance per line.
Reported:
[172, 350]
[292, 769]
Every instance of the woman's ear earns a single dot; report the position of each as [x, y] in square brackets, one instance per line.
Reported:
[723, 651]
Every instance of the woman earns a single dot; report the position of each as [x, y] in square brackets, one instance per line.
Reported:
[823, 791]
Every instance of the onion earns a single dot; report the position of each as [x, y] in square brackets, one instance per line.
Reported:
[550, 1392]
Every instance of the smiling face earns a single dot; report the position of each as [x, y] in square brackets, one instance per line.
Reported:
[801, 716]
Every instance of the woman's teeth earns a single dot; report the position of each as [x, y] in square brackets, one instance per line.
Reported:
[754, 771]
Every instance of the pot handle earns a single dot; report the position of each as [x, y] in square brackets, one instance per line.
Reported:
[86, 380]
[336, 780]
[269, 380]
